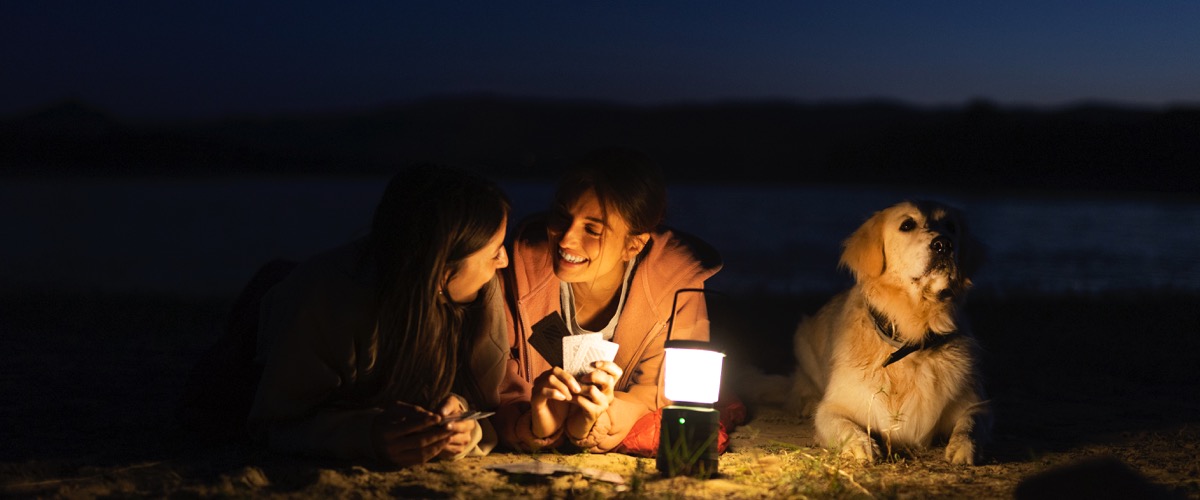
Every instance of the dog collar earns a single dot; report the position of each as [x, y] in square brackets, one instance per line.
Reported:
[887, 332]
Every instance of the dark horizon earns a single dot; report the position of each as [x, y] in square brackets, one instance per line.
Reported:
[979, 146]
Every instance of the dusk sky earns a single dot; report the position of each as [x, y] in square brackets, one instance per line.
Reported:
[217, 58]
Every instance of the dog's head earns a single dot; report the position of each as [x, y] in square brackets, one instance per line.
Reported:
[922, 247]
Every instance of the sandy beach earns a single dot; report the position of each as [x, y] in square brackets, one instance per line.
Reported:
[1091, 393]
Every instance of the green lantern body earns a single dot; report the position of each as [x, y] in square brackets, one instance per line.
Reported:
[687, 441]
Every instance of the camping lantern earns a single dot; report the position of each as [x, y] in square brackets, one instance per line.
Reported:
[689, 426]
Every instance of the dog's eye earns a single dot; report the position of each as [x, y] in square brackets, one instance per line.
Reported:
[908, 225]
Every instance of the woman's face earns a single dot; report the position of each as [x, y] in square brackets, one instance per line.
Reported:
[478, 268]
[587, 247]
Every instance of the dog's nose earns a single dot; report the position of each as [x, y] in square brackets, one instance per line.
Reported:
[941, 245]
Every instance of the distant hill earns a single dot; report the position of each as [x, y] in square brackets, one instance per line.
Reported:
[977, 146]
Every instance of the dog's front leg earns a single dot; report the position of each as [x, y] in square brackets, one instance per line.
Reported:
[835, 429]
[970, 427]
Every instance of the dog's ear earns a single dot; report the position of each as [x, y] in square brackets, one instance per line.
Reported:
[862, 252]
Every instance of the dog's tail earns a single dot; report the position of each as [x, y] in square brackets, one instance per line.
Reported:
[756, 387]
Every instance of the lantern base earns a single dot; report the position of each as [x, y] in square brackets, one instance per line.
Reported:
[687, 441]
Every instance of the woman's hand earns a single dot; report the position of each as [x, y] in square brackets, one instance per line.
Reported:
[594, 400]
[551, 398]
[462, 430]
[406, 434]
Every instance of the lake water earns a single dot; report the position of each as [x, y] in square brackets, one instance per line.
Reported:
[206, 237]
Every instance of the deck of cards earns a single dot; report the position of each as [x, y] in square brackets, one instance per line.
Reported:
[580, 351]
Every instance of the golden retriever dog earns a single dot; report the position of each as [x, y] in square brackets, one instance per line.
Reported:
[891, 360]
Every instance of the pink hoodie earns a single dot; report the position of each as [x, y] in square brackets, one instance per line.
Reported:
[671, 260]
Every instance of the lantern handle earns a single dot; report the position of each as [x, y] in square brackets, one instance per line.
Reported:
[675, 302]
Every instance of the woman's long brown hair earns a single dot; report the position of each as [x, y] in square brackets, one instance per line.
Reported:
[429, 220]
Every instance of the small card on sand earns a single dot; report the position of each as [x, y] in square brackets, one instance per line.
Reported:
[580, 351]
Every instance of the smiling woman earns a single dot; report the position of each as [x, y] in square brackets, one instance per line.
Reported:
[599, 264]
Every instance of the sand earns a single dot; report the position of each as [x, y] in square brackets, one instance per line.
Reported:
[1093, 395]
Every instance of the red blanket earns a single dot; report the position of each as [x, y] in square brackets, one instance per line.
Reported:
[642, 439]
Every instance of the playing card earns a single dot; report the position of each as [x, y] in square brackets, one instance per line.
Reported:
[580, 351]
[547, 338]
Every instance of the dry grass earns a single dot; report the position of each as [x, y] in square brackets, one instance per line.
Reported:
[1090, 392]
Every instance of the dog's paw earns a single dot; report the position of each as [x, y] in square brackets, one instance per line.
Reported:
[960, 450]
[861, 448]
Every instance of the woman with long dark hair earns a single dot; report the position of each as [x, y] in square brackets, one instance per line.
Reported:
[366, 349]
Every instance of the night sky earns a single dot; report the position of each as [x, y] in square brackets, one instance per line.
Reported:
[218, 58]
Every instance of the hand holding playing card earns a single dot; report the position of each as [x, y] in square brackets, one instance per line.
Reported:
[594, 399]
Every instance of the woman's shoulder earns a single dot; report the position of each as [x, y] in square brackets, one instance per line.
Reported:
[322, 300]
[673, 260]
[672, 246]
